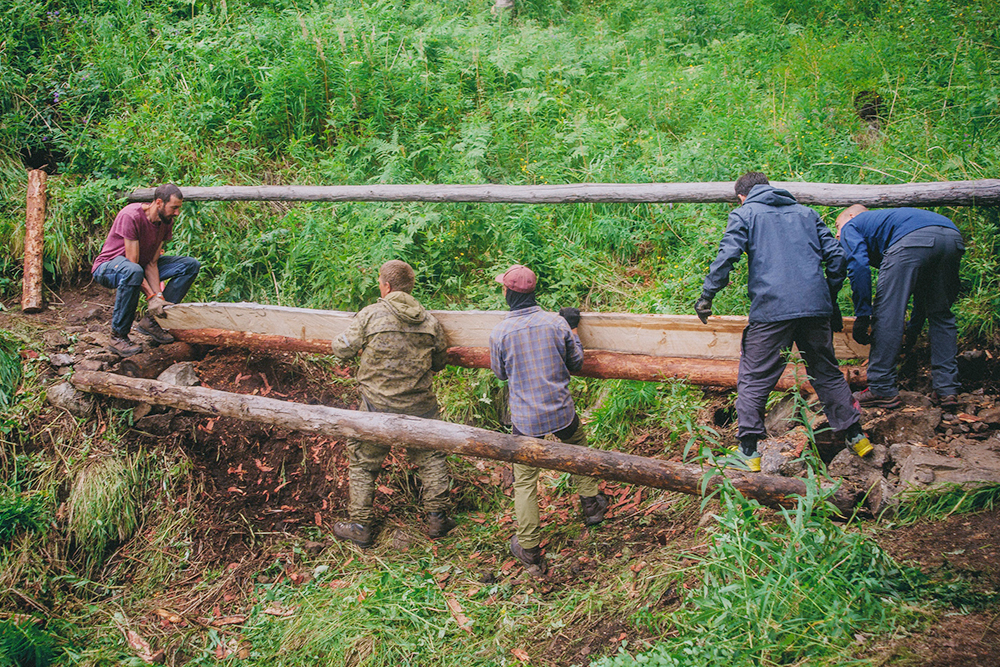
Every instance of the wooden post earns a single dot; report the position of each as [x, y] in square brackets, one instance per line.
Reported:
[34, 243]
[390, 429]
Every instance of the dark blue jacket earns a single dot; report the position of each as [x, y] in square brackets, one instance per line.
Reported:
[787, 247]
[867, 236]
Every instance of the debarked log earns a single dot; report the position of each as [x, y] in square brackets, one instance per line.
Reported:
[390, 430]
[596, 363]
[34, 242]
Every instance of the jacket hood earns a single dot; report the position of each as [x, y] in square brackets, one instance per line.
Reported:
[769, 195]
[405, 307]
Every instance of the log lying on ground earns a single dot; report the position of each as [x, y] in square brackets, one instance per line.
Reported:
[984, 192]
[596, 363]
[150, 364]
[34, 242]
[389, 430]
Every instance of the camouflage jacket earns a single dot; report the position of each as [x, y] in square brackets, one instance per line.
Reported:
[401, 345]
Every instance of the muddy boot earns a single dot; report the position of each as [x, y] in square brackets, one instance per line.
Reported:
[593, 508]
[532, 559]
[438, 524]
[122, 345]
[353, 532]
[147, 325]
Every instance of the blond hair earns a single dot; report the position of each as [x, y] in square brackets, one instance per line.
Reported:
[398, 275]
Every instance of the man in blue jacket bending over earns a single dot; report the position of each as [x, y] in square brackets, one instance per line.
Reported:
[916, 252]
[791, 301]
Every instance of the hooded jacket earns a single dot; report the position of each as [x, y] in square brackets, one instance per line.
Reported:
[788, 247]
[401, 345]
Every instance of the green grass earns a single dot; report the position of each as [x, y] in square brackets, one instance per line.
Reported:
[937, 503]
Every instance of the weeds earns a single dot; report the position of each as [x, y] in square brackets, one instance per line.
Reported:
[937, 503]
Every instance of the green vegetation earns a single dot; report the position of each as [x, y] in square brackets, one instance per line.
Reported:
[119, 94]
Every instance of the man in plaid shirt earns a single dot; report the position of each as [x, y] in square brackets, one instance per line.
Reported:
[535, 351]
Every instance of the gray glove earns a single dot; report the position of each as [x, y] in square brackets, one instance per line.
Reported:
[155, 305]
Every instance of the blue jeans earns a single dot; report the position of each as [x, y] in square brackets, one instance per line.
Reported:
[126, 277]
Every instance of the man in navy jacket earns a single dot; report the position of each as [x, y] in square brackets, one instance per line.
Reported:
[791, 301]
[917, 253]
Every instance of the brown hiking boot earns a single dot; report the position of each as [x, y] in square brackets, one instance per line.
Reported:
[353, 532]
[147, 325]
[593, 508]
[122, 345]
[867, 399]
[438, 524]
[949, 402]
[532, 559]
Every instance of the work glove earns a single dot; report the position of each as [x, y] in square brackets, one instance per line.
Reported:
[860, 332]
[156, 304]
[703, 307]
[571, 315]
[836, 319]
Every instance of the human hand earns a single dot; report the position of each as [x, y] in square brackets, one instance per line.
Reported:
[155, 305]
[703, 307]
[571, 315]
[836, 319]
[860, 332]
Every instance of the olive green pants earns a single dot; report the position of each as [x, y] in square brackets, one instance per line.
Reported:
[365, 461]
[529, 528]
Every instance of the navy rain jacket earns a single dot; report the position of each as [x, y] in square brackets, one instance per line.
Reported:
[868, 236]
[787, 247]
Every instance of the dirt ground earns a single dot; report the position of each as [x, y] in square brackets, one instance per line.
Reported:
[259, 487]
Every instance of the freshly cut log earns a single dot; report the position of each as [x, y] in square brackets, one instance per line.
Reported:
[34, 242]
[389, 430]
[627, 333]
[151, 364]
[984, 192]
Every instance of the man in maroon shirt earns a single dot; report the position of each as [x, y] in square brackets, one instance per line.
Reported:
[132, 261]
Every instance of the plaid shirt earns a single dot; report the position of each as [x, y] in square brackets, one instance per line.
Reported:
[536, 350]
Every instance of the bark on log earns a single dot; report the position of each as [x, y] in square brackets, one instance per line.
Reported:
[983, 192]
[151, 364]
[704, 372]
[34, 242]
[389, 430]
[596, 363]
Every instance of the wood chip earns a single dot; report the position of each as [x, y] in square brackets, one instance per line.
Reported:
[457, 613]
[520, 654]
[169, 616]
[279, 610]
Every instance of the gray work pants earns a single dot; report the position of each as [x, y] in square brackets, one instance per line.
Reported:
[762, 362]
[923, 263]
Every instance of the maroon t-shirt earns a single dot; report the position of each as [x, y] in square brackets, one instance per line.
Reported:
[131, 223]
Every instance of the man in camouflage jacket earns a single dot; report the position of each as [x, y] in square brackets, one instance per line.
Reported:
[401, 345]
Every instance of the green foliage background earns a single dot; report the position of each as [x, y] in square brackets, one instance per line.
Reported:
[126, 93]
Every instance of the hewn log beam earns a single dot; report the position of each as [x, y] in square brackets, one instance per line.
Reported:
[596, 363]
[34, 242]
[985, 192]
[389, 430]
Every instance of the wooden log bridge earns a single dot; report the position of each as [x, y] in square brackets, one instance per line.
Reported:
[625, 346]
[985, 192]
[390, 430]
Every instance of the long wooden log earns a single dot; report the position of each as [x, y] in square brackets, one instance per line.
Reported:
[389, 430]
[34, 242]
[150, 364]
[627, 333]
[983, 192]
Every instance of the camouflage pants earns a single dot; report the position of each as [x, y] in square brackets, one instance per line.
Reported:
[529, 526]
[365, 461]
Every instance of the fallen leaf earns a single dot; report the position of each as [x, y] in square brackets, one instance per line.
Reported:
[169, 616]
[339, 583]
[142, 648]
[385, 489]
[520, 654]
[506, 567]
[279, 610]
[318, 519]
[636, 567]
[456, 612]
[229, 620]
[967, 418]
[261, 466]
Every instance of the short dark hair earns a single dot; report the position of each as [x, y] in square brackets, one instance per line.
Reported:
[398, 275]
[166, 191]
[746, 182]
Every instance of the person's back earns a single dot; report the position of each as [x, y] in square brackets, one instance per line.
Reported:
[787, 247]
[402, 346]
